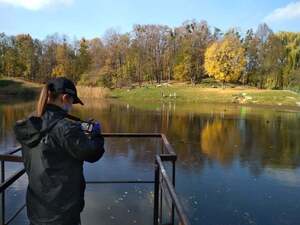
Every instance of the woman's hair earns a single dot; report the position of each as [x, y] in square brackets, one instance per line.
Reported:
[47, 94]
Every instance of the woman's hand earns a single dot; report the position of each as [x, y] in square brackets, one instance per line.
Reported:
[96, 128]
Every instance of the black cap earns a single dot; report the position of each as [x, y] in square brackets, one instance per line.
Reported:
[64, 86]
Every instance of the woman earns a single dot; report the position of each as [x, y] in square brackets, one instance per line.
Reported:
[54, 148]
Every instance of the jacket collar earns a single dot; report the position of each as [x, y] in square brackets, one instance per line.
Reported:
[52, 114]
[55, 109]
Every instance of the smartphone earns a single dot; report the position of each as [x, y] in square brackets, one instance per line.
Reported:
[87, 127]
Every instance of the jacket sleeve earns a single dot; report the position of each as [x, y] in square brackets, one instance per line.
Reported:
[81, 146]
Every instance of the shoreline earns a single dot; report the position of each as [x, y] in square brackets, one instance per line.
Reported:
[153, 104]
[233, 96]
[17, 89]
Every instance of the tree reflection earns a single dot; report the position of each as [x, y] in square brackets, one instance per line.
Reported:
[220, 140]
[10, 113]
[256, 138]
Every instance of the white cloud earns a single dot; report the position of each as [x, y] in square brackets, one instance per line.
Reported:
[288, 177]
[289, 12]
[36, 4]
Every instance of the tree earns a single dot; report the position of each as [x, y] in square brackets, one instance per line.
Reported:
[225, 60]
[275, 61]
[250, 44]
[83, 58]
[193, 40]
[48, 58]
[291, 43]
[116, 66]
[157, 53]
[263, 33]
[27, 56]
[182, 70]
[65, 61]
[11, 66]
[97, 53]
[3, 47]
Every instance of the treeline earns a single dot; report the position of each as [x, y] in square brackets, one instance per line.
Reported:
[156, 53]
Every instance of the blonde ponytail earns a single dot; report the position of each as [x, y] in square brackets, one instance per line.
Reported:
[42, 102]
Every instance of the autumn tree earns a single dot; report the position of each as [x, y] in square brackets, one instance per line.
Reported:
[10, 59]
[138, 52]
[263, 33]
[83, 58]
[157, 53]
[3, 47]
[291, 44]
[250, 44]
[27, 56]
[225, 59]
[275, 61]
[65, 61]
[193, 38]
[97, 53]
[115, 65]
[48, 58]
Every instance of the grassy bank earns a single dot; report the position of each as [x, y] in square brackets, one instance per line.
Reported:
[13, 87]
[186, 93]
[17, 88]
[179, 92]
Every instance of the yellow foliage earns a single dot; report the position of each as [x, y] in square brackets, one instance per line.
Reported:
[182, 70]
[220, 140]
[225, 60]
[59, 70]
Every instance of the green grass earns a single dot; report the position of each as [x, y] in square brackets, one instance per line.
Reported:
[188, 93]
[175, 92]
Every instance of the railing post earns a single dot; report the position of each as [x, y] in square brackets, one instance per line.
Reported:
[156, 195]
[2, 194]
[173, 182]
[160, 202]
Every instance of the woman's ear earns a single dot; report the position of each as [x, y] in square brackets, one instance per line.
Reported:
[64, 98]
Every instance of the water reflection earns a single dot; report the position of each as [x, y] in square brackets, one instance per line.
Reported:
[287, 177]
[9, 114]
[220, 140]
[241, 163]
[118, 204]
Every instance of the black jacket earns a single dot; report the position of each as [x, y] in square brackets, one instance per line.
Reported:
[53, 149]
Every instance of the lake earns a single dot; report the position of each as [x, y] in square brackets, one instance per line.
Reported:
[236, 164]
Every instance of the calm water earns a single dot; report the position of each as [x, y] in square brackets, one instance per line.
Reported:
[236, 165]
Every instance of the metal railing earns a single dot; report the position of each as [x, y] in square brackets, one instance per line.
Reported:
[162, 183]
[5, 183]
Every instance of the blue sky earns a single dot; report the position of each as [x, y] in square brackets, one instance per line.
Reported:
[91, 18]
